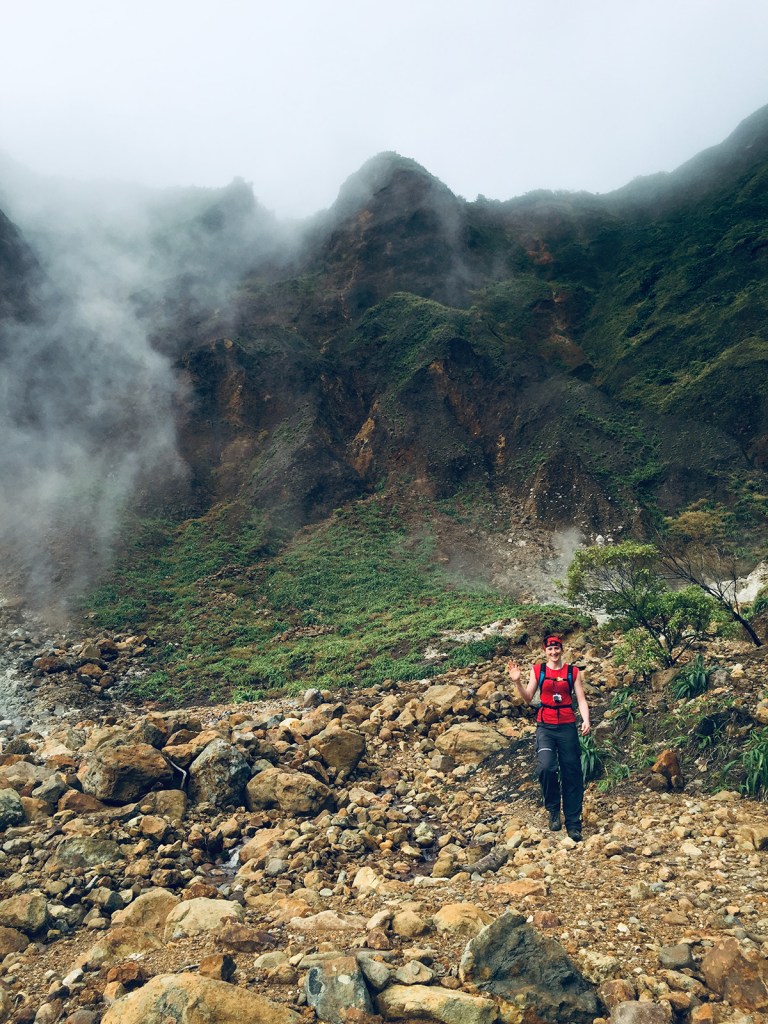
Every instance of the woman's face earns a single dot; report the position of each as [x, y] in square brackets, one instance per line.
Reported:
[554, 651]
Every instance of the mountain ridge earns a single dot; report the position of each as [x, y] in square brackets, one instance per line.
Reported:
[409, 340]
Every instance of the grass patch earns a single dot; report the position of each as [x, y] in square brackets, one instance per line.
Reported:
[354, 600]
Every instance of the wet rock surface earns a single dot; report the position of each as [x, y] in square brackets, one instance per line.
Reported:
[384, 857]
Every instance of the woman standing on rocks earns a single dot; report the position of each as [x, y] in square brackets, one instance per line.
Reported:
[558, 754]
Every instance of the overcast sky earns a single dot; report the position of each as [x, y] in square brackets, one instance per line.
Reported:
[497, 97]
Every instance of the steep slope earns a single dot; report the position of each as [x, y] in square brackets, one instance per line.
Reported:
[450, 343]
[589, 363]
[675, 318]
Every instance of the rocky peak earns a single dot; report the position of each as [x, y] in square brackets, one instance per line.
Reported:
[395, 227]
[397, 183]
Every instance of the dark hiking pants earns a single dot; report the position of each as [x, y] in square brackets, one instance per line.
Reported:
[558, 758]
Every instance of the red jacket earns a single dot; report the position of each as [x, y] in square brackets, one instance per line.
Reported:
[552, 710]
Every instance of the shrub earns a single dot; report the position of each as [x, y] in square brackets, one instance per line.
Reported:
[617, 772]
[625, 580]
[638, 652]
[760, 604]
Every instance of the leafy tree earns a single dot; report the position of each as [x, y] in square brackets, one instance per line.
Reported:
[638, 651]
[700, 547]
[625, 581]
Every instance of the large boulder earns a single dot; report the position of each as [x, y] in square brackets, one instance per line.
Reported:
[183, 754]
[11, 809]
[427, 1002]
[23, 776]
[84, 852]
[291, 791]
[11, 941]
[334, 986]
[257, 849]
[80, 803]
[27, 912]
[218, 775]
[471, 742]
[148, 911]
[121, 770]
[741, 979]
[192, 917]
[461, 919]
[442, 696]
[512, 960]
[340, 748]
[121, 943]
[193, 999]
[168, 803]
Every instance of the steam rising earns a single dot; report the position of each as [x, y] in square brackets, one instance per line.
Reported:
[88, 404]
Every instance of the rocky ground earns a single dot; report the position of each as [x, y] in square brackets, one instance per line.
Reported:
[360, 855]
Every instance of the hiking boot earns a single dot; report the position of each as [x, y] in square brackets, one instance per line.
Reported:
[575, 834]
[554, 821]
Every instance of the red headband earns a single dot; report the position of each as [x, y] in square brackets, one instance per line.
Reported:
[553, 640]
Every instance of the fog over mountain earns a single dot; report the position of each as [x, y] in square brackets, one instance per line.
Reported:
[494, 98]
[182, 348]
[90, 403]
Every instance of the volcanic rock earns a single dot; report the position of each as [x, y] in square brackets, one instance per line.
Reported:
[335, 986]
[218, 775]
[510, 959]
[416, 1002]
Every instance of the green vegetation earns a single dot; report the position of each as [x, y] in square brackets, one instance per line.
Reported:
[660, 624]
[616, 772]
[592, 758]
[357, 599]
[760, 604]
[638, 651]
[707, 546]
[625, 708]
[692, 681]
[607, 764]
[755, 764]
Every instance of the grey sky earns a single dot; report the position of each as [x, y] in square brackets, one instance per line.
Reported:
[492, 97]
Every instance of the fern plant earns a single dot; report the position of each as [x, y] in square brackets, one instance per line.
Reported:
[625, 708]
[692, 681]
[755, 764]
[592, 758]
[615, 774]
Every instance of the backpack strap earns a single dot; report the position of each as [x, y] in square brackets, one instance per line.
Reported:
[543, 675]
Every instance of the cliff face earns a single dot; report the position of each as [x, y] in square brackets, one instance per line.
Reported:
[419, 337]
[597, 355]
